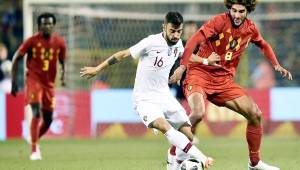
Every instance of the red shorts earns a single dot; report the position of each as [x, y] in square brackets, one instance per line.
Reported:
[217, 90]
[35, 92]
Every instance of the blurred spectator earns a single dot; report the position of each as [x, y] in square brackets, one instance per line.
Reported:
[189, 28]
[11, 25]
[263, 76]
[3, 56]
[5, 70]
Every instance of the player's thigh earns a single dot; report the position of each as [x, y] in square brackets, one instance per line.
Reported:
[48, 99]
[196, 96]
[244, 105]
[148, 111]
[227, 92]
[174, 112]
[33, 92]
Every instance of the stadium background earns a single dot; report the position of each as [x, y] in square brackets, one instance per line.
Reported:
[102, 107]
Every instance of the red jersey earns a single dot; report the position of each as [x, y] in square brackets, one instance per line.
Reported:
[220, 36]
[42, 57]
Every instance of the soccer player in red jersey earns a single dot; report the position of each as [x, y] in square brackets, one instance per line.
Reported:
[210, 73]
[43, 51]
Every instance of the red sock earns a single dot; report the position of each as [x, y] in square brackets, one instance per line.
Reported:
[34, 133]
[254, 135]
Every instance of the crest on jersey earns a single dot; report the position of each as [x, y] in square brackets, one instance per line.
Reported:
[175, 51]
[169, 51]
[190, 87]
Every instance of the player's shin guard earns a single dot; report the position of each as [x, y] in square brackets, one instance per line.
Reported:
[254, 135]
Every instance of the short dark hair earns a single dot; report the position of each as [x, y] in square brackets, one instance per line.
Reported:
[46, 15]
[174, 18]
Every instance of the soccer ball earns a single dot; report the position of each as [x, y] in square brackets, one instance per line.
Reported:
[191, 164]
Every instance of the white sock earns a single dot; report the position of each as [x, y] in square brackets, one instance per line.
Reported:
[182, 142]
[180, 155]
[177, 138]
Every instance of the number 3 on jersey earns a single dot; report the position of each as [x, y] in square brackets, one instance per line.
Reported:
[45, 65]
[158, 62]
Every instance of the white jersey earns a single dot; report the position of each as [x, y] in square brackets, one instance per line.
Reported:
[156, 59]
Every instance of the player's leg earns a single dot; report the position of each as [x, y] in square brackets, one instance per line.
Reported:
[180, 140]
[245, 106]
[27, 119]
[196, 100]
[175, 114]
[47, 111]
[33, 98]
[34, 124]
[46, 122]
[152, 115]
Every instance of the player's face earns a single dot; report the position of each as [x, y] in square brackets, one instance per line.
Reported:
[238, 14]
[172, 33]
[47, 26]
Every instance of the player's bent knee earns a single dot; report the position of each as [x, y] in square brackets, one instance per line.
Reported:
[160, 124]
[197, 116]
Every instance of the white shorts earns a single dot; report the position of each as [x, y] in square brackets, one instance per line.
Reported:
[163, 107]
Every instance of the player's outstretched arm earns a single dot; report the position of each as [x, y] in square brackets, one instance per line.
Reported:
[270, 55]
[90, 72]
[15, 67]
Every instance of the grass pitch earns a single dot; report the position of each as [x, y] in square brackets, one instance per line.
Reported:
[141, 154]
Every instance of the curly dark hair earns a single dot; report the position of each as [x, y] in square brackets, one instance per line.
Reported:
[249, 4]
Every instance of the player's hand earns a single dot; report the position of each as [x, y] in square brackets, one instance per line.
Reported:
[177, 74]
[88, 72]
[284, 73]
[214, 59]
[63, 82]
[14, 88]
[62, 79]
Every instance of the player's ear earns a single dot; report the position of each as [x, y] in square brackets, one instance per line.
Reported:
[163, 27]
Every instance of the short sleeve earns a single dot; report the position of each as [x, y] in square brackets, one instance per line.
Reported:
[25, 46]
[213, 26]
[256, 35]
[139, 48]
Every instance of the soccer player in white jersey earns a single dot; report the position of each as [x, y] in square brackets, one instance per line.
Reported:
[152, 98]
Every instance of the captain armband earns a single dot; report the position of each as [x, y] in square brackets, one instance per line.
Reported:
[112, 60]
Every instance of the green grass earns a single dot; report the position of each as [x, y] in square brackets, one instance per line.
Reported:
[141, 154]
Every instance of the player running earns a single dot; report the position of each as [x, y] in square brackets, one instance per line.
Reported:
[43, 51]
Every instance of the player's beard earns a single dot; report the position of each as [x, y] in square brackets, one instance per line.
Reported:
[172, 41]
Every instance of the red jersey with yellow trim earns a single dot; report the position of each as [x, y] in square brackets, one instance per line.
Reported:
[218, 35]
[42, 57]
